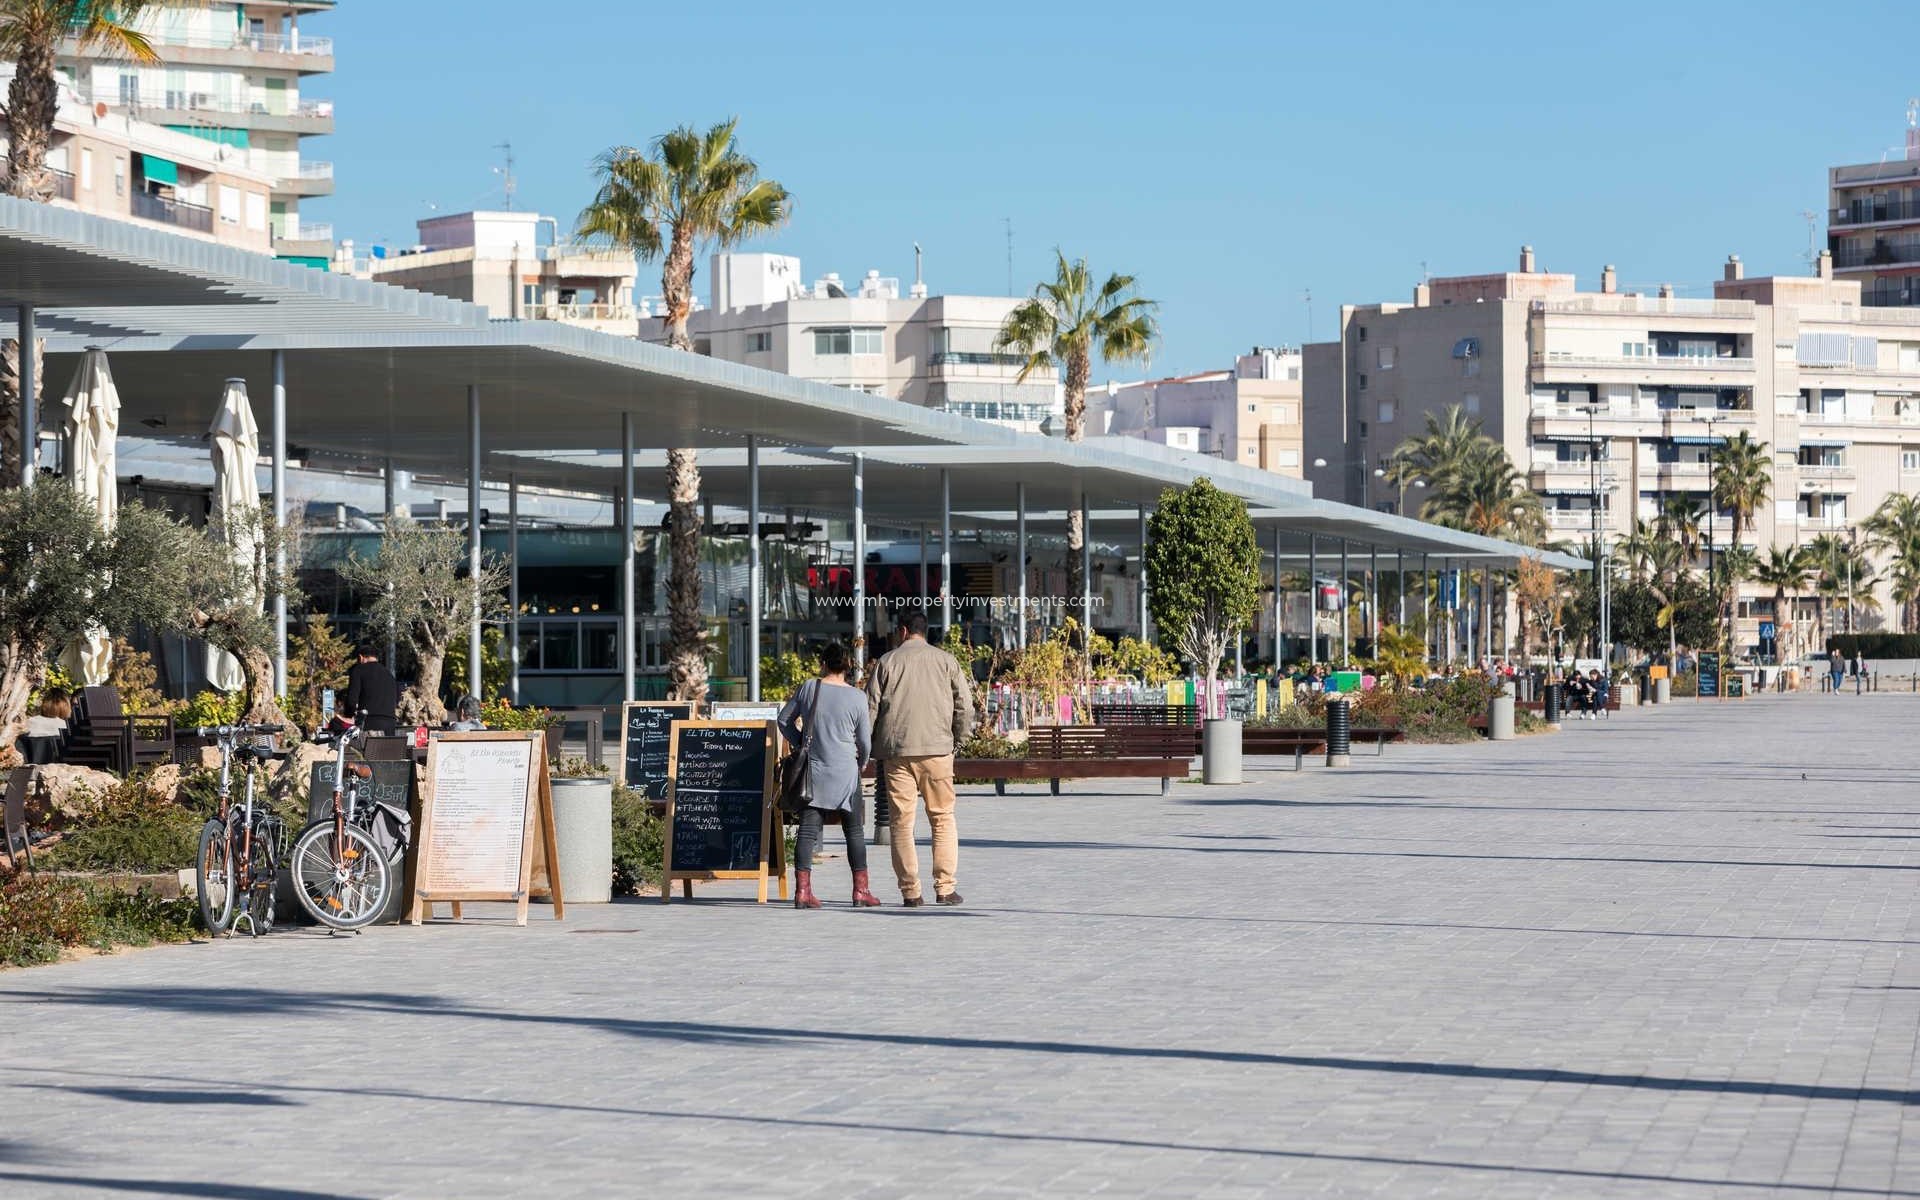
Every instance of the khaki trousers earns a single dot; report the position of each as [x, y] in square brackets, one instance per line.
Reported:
[908, 779]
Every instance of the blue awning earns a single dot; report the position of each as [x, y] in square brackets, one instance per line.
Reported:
[1841, 443]
[1468, 347]
[159, 170]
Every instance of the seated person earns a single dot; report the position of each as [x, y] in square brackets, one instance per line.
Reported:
[466, 716]
[46, 732]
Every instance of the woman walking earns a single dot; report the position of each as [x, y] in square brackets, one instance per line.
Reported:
[826, 720]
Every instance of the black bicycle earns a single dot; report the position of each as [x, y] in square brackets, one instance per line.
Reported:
[241, 846]
[340, 869]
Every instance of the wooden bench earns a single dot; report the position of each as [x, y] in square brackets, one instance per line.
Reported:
[1268, 740]
[1056, 752]
[1108, 715]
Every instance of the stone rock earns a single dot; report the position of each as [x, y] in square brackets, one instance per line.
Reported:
[73, 792]
[164, 781]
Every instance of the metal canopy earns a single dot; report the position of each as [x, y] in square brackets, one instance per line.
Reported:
[379, 373]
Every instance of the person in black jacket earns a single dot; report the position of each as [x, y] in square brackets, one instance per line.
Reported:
[370, 686]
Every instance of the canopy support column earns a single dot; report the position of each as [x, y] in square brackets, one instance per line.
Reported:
[860, 563]
[1020, 559]
[1400, 586]
[1086, 570]
[513, 589]
[753, 568]
[390, 490]
[1346, 581]
[1426, 613]
[30, 403]
[629, 602]
[1313, 599]
[279, 518]
[1279, 608]
[1143, 573]
[1373, 598]
[474, 679]
[926, 576]
[946, 552]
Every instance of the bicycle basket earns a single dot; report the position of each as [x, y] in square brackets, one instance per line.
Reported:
[391, 829]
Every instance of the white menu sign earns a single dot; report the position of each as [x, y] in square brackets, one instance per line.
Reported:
[478, 823]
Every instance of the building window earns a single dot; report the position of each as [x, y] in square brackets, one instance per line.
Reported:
[1386, 358]
[1910, 460]
[86, 169]
[1363, 382]
[229, 205]
[529, 295]
[1471, 402]
[760, 342]
[1363, 333]
[256, 212]
[120, 177]
[868, 339]
[863, 339]
[1253, 408]
[1386, 410]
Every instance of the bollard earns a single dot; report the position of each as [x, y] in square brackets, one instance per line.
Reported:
[882, 810]
[1339, 731]
[1550, 709]
[1500, 716]
[1220, 751]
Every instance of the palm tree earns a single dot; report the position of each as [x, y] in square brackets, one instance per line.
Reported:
[687, 190]
[1451, 440]
[1824, 555]
[1786, 571]
[1485, 494]
[1061, 327]
[30, 32]
[1680, 518]
[1894, 528]
[1742, 479]
[1636, 551]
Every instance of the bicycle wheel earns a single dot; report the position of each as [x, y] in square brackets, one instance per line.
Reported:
[344, 891]
[213, 876]
[262, 873]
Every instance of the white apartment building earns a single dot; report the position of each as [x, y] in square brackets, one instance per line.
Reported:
[232, 72]
[112, 165]
[935, 351]
[1652, 383]
[1249, 414]
[1873, 223]
[500, 260]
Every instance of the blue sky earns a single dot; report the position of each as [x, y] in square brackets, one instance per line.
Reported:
[1230, 155]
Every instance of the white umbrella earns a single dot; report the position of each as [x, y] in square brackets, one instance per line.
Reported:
[236, 490]
[92, 424]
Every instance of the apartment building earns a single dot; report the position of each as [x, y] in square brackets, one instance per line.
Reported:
[1612, 401]
[1873, 223]
[1249, 414]
[501, 260]
[110, 164]
[233, 73]
[935, 351]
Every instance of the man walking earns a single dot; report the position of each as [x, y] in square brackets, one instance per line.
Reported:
[1836, 669]
[370, 686]
[922, 708]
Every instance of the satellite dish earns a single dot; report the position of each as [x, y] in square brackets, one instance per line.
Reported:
[99, 109]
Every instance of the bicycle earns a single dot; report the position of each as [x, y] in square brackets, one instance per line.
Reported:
[239, 847]
[340, 872]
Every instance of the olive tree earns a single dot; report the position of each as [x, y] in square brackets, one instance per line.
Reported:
[418, 587]
[1203, 573]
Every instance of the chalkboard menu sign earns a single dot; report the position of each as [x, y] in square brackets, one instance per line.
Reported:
[719, 815]
[392, 784]
[646, 729]
[1709, 674]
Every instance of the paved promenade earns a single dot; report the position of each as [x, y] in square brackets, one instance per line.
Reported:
[1676, 954]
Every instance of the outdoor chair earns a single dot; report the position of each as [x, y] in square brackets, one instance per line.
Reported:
[13, 816]
[107, 737]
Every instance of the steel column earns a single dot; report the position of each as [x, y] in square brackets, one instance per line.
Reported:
[946, 551]
[1346, 656]
[629, 602]
[1279, 607]
[30, 402]
[279, 521]
[387, 486]
[1373, 598]
[1313, 599]
[1020, 557]
[513, 589]
[1143, 573]
[753, 568]
[860, 563]
[1400, 586]
[475, 684]
[1086, 569]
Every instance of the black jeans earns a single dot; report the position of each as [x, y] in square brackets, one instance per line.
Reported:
[811, 821]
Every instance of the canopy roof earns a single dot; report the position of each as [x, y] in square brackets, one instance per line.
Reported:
[377, 373]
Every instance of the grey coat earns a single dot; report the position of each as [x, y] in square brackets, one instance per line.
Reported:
[841, 739]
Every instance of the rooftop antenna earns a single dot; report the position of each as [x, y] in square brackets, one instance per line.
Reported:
[919, 291]
[507, 171]
[1307, 296]
[1009, 224]
[1813, 253]
[1913, 130]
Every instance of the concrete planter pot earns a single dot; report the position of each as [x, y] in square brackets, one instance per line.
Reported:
[583, 830]
[1220, 751]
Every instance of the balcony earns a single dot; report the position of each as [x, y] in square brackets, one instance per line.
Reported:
[194, 108]
[1575, 519]
[1553, 474]
[62, 184]
[292, 52]
[310, 179]
[620, 319]
[1856, 258]
[1640, 364]
[958, 364]
[1657, 306]
[1682, 476]
[178, 213]
[1827, 479]
[1872, 212]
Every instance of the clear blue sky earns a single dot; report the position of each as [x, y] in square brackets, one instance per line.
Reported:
[1231, 155]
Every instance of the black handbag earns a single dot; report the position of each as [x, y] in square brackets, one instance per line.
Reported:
[795, 790]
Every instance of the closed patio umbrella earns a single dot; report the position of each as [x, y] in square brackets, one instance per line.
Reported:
[236, 494]
[92, 423]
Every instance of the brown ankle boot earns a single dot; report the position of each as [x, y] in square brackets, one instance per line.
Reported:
[803, 896]
[862, 898]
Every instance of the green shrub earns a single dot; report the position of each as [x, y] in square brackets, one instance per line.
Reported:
[41, 915]
[140, 918]
[212, 708]
[639, 842]
[1686, 683]
[133, 830]
[990, 743]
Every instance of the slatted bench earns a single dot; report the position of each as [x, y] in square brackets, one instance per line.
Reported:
[1056, 752]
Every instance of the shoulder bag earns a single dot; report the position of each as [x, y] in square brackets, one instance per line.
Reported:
[795, 790]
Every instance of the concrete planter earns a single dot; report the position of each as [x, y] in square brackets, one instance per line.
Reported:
[1500, 716]
[583, 830]
[1663, 691]
[1220, 751]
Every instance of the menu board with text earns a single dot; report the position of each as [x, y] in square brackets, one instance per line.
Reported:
[646, 734]
[719, 810]
[486, 814]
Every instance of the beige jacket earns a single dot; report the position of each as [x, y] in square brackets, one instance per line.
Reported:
[921, 702]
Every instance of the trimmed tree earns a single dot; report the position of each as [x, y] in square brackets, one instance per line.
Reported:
[418, 587]
[1203, 562]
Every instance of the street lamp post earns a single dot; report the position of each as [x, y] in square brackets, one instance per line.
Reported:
[1713, 514]
[1378, 473]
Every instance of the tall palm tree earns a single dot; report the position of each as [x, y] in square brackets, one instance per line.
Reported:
[30, 32]
[1680, 518]
[1487, 495]
[1742, 480]
[1894, 529]
[1061, 327]
[1451, 440]
[686, 191]
[1825, 553]
[1636, 551]
[1787, 571]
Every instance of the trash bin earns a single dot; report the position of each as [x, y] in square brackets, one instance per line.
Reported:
[1551, 709]
[1339, 732]
[583, 834]
[1663, 690]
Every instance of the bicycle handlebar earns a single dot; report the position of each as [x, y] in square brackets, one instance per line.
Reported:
[237, 731]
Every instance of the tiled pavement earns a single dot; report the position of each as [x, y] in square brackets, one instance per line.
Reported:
[1669, 955]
